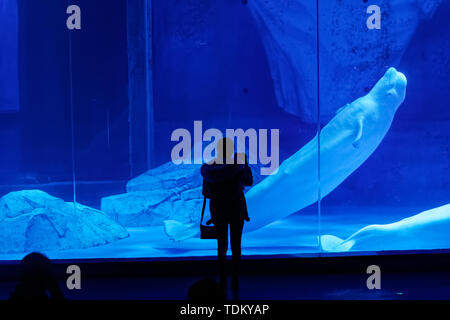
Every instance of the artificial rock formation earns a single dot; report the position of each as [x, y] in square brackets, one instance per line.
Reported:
[167, 192]
[351, 56]
[32, 220]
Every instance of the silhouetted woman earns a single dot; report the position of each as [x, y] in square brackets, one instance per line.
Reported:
[37, 281]
[224, 180]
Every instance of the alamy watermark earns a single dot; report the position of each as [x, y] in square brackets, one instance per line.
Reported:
[374, 21]
[374, 280]
[74, 20]
[73, 282]
[258, 146]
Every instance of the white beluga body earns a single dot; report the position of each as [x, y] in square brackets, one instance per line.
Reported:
[345, 143]
[426, 230]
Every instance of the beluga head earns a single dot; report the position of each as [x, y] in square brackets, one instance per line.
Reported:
[390, 90]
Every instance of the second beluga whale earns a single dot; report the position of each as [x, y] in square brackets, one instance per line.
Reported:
[346, 142]
[426, 230]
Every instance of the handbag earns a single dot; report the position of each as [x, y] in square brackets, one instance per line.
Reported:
[206, 232]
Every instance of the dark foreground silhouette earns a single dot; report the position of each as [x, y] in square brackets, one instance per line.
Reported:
[206, 290]
[37, 281]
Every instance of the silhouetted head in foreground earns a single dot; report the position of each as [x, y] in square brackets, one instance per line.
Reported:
[206, 290]
[36, 281]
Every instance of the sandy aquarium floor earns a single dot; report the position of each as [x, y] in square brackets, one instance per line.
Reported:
[295, 235]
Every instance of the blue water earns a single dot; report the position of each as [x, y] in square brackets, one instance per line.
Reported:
[89, 114]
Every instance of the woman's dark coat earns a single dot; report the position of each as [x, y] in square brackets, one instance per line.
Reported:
[224, 185]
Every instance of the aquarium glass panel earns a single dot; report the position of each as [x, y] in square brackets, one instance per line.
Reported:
[100, 88]
[384, 79]
[156, 85]
[109, 109]
[36, 168]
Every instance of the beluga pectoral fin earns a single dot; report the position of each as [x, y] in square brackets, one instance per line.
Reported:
[178, 231]
[331, 243]
[359, 132]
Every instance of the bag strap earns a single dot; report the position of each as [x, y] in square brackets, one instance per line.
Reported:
[203, 209]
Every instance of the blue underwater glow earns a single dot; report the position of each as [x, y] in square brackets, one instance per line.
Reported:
[9, 69]
[85, 168]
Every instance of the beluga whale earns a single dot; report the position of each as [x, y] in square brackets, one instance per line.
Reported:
[426, 230]
[346, 142]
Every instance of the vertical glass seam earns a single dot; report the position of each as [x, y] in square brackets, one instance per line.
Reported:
[149, 82]
[319, 231]
[72, 112]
